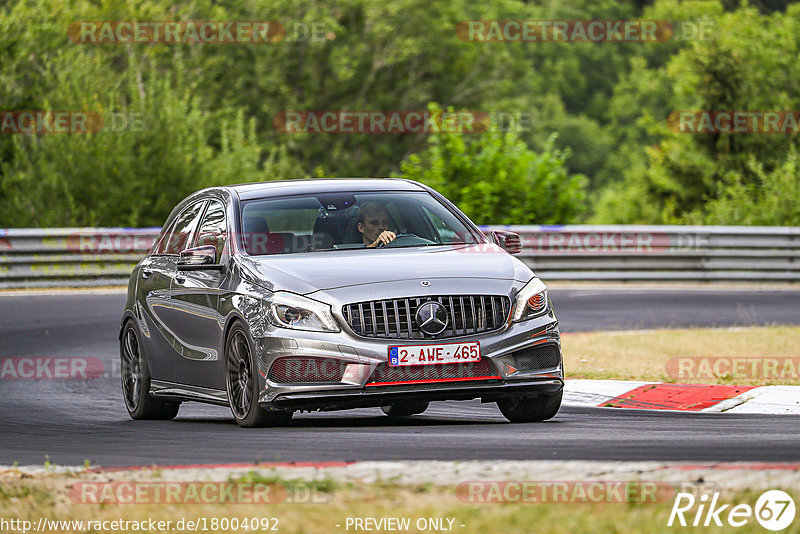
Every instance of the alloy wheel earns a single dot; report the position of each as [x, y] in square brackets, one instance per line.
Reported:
[239, 374]
[131, 370]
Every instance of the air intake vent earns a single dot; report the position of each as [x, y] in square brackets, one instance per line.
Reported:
[537, 358]
[306, 370]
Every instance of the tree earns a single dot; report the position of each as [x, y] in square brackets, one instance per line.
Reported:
[496, 179]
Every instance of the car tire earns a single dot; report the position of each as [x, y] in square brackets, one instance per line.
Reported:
[531, 409]
[135, 379]
[242, 383]
[405, 408]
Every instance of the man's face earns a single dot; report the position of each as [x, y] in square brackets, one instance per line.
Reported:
[375, 222]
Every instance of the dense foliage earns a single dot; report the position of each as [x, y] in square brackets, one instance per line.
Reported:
[598, 149]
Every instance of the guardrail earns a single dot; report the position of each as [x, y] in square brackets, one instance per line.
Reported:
[71, 257]
[661, 253]
[105, 256]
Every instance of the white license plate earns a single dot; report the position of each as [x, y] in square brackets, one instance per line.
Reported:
[441, 353]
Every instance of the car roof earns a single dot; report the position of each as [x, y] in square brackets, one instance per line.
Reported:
[322, 185]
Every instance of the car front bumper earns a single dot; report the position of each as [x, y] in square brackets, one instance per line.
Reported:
[486, 390]
[367, 354]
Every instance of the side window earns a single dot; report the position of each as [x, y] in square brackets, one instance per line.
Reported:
[396, 216]
[213, 230]
[444, 233]
[183, 229]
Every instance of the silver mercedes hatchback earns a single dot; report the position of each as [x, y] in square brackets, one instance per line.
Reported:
[305, 295]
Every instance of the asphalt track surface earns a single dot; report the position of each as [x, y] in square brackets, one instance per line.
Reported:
[70, 421]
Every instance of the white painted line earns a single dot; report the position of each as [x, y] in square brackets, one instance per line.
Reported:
[763, 400]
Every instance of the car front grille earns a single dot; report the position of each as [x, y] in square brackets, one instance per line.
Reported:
[396, 319]
[385, 374]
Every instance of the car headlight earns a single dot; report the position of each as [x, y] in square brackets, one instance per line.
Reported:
[288, 310]
[531, 301]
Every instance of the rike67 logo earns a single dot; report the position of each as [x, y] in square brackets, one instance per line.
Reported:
[774, 510]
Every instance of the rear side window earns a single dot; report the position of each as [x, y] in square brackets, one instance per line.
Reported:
[161, 242]
[213, 230]
[182, 231]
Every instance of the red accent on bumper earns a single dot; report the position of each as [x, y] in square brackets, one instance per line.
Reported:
[460, 379]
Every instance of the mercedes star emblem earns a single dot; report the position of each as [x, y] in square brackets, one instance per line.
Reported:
[432, 318]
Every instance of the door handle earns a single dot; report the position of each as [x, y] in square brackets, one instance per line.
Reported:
[146, 272]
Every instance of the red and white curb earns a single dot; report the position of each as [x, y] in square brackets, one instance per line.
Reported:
[682, 397]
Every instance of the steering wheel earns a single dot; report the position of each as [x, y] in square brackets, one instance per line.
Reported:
[405, 240]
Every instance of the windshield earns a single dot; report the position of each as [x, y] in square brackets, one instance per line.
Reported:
[312, 223]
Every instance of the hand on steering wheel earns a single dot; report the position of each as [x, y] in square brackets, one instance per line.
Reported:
[385, 237]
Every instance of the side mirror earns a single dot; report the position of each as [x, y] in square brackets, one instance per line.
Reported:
[508, 241]
[199, 259]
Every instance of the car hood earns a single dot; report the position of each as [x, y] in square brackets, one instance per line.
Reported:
[309, 272]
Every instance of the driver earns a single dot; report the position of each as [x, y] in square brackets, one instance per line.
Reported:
[373, 223]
